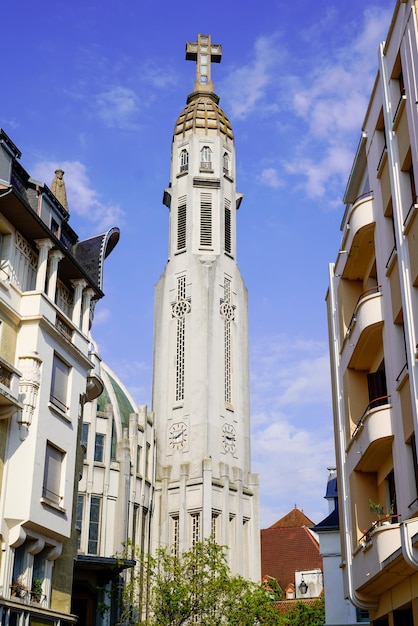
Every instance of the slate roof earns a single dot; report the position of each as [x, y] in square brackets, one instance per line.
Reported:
[331, 522]
[289, 546]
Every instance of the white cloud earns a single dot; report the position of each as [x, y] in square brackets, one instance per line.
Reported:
[246, 86]
[158, 76]
[292, 440]
[332, 101]
[83, 200]
[118, 108]
[101, 316]
[270, 178]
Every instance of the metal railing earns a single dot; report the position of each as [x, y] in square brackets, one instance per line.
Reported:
[367, 535]
[380, 401]
[368, 292]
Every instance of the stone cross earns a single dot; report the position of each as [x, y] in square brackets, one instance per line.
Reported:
[204, 53]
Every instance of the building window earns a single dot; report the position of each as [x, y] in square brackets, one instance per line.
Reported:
[376, 382]
[184, 161]
[226, 163]
[228, 239]
[206, 158]
[401, 83]
[138, 458]
[175, 535]
[412, 184]
[362, 615]
[55, 228]
[415, 461]
[391, 490]
[206, 220]
[113, 442]
[79, 517]
[99, 448]
[38, 577]
[181, 223]
[59, 383]
[84, 437]
[195, 528]
[54, 459]
[215, 517]
[147, 460]
[25, 265]
[94, 525]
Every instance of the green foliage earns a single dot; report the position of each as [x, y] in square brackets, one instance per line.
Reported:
[195, 588]
[376, 508]
[272, 587]
[198, 588]
[305, 615]
[36, 590]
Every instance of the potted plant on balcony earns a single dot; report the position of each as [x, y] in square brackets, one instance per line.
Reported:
[377, 509]
[36, 592]
[18, 588]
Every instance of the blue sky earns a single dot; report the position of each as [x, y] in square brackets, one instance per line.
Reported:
[96, 87]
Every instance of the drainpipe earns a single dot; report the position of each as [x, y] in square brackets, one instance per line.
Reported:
[359, 601]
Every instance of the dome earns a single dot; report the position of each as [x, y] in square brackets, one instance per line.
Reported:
[202, 115]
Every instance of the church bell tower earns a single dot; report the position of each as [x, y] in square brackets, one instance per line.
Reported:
[201, 374]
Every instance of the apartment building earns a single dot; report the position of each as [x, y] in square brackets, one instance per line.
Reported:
[372, 306]
[49, 368]
[114, 500]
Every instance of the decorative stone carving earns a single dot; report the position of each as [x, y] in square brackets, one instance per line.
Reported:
[30, 366]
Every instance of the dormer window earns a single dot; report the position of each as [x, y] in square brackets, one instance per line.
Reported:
[226, 163]
[206, 158]
[184, 161]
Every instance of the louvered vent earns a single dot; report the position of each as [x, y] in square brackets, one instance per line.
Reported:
[181, 224]
[228, 242]
[206, 220]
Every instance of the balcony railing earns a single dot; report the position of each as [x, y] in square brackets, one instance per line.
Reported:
[399, 109]
[382, 160]
[380, 401]
[353, 320]
[5, 376]
[366, 538]
[63, 327]
[410, 215]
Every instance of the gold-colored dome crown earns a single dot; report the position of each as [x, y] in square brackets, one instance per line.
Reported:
[203, 115]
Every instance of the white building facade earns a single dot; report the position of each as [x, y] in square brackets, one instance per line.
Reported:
[373, 323]
[201, 373]
[49, 282]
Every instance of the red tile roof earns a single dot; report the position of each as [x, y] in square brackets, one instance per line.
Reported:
[292, 519]
[289, 548]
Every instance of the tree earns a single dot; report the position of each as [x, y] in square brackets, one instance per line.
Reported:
[305, 614]
[195, 588]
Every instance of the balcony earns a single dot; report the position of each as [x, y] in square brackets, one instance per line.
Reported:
[375, 557]
[372, 438]
[94, 382]
[9, 389]
[363, 336]
[358, 239]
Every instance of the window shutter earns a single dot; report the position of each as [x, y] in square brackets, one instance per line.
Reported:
[181, 223]
[206, 220]
[228, 242]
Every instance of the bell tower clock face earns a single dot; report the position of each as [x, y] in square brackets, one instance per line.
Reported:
[177, 435]
[229, 438]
